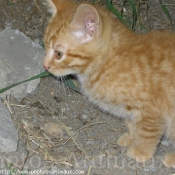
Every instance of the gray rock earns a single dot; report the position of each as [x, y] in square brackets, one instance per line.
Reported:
[18, 158]
[20, 59]
[8, 133]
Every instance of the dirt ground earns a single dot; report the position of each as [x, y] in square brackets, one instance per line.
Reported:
[60, 132]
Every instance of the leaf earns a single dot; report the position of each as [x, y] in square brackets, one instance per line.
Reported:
[115, 11]
[43, 74]
[166, 11]
[143, 28]
[134, 12]
[69, 82]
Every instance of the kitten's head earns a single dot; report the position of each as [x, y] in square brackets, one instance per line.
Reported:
[72, 37]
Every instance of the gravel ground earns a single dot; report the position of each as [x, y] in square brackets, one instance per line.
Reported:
[59, 129]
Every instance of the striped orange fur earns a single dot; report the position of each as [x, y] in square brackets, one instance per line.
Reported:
[125, 74]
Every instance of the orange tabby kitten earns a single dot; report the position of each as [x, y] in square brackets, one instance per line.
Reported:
[127, 75]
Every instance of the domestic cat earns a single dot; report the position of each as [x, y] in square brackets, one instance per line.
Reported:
[125, 74]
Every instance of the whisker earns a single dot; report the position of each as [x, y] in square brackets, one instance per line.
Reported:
[67, 82]
[56, 80]
[59, 85]
[62, 83]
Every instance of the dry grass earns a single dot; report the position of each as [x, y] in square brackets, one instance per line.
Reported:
[44, 142]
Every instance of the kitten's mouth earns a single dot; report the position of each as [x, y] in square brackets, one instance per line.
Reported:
[57, 73]
[48, 68]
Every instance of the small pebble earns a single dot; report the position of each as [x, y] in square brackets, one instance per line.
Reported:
[153, 168]
[90, 142]
[84, 117]
[53, 129]
[111, 152]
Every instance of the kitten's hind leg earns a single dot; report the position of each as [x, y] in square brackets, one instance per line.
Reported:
[128, 138]
[169, 160]
[147, 134]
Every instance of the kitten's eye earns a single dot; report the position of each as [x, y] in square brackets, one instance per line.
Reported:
[58, 55]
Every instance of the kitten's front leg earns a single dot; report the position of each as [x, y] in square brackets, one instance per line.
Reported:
[147, 134]
[128, 138]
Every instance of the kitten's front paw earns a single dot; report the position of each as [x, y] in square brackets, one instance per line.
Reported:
[141, 156]
[125, 140]
[169, 160]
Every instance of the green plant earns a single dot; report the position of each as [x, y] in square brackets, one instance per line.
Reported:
[166, 11]
[131, 20]
[12, 170]
[43, 74]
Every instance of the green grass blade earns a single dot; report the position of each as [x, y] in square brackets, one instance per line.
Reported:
[134, 12]
[166, 11]
[142, 27]
[69, 82]
[43, 74]
[115, 11]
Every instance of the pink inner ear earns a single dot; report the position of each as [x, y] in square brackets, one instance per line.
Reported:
[85, 23]
[90, 27]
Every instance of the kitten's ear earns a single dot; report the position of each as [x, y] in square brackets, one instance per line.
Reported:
[86, 23]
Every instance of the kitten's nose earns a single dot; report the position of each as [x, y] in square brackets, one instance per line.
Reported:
[46, 67]
[46, 64]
